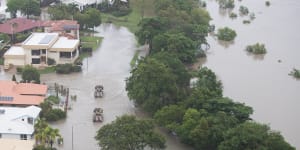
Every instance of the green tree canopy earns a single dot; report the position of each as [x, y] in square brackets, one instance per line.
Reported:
[129, 133]
[27, 7]
[152, 85]
[175, 43]
[252, 135]
[149, 27]
[30, 74]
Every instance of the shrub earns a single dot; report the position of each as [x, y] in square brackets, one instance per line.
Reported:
[19, 70]
[4, 37]
[64, 68]
[256, 49]
[226, 34]
[246, 21]
[123, 11]
[51, 61]
[268, 3]
[55, 114]
[67, 68]
[20, 37]
[53, 99]
[76, 68]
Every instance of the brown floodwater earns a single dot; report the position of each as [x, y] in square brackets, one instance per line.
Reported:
[261, 82]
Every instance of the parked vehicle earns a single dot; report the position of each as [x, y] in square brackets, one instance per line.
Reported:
[98, 91]
[98, 115]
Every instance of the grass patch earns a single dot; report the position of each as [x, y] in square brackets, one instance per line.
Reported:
[91, 41]
[47, 70]
[140, 9]
[134, 59]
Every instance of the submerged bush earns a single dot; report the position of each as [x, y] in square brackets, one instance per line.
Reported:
[246, 21]
[295, 73]
[233, 15]
[256, 49]
[243, 10]
[268, 3]
[226, 34]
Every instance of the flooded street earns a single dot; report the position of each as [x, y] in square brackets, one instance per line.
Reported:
[109, 66]
[261, 82]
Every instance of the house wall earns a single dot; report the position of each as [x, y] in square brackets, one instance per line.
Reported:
[17, 61]
[14, 136]
[55, 55]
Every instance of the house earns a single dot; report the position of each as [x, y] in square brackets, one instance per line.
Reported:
[68, 28]
[16, 144]
[18, 123]
[39, 47]
[19, 25]
[21, 94]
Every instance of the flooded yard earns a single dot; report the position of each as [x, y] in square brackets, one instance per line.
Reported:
[261, 81]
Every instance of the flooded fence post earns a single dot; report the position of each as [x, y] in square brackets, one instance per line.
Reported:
[67, 99]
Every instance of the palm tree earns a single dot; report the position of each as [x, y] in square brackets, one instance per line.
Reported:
[39, 129]
[52, 134]
[13, 26]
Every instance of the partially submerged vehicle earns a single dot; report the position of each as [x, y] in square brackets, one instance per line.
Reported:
[98, 91]
[98, 115]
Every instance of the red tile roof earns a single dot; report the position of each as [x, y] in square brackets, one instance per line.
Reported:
[22, 24]
[61, 25]
[22, 93]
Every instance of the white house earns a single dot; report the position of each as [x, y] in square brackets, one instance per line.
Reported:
[18, 123]
[38, 47]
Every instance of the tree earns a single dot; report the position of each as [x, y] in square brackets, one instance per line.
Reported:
[13, 6]
[149, 27]
[27, 7]
[89, 18]
[62, 11]
[128, 133]
[30, 74]
[152, 85]
[30, 7]
[94, 17]
[252, 135]
[44, 134]
[176, 43]
[170, 116]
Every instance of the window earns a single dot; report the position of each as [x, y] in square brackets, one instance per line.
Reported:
[65, 55]
[35, 52]
[43, 51]
[30, 120]
[23, 137]
[35, 61]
